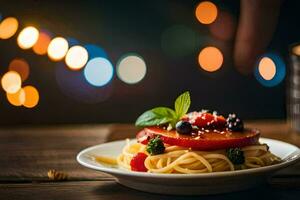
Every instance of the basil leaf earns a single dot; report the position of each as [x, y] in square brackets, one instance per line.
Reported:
[164, 112]
[182, 104]
[156, 116]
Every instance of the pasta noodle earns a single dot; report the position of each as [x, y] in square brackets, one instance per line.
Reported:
[187, 161]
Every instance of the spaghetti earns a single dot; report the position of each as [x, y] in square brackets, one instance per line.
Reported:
[182, 160]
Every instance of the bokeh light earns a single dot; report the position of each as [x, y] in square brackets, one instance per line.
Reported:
[224, 26]
[95, 51]
[270, 70]
[42, 43]
[179, 41]
[31, 96]
[16, 99]
[210, 59]
[267, 68]
[8, 27]
[72, 41]
[296, 50]
[98, 71]
[11, 82]
[20, 66]
[131, 69]
[58, 48]
[74, 85]
[76, 57]
[206, 12]
[28, 37]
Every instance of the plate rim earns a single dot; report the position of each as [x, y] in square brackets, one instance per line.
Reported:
[123, 172]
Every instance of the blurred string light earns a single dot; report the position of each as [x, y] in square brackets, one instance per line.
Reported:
[206, 12]
[270, 70]
[57, 48]
[223, 27]
[20, 66]
[131, 68]
[179, 41]
[210, 59]
[42, 43]
[296, 50]
[267, 68]
[76, 57]
[8, 27]
[31, 96]
[98, 71]
[16, 99]
[11, 82]
[28, 37]
[95, 51]
[74, 85]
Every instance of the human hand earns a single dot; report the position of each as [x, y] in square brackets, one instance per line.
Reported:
[257, 23]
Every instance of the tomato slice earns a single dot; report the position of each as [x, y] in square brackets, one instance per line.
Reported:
[205, 120]
[205, 140]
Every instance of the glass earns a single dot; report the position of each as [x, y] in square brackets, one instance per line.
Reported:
[294, 88]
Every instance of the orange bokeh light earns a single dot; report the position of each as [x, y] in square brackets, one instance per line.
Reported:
[16, 99]
[267, 68]
[296, 50]
[21, 66]
[11, 82]
[210, 59]
[206, 12]
[42, 43]
[8, 27]
[31, 96]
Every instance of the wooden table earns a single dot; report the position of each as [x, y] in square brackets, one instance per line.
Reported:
[26, 155]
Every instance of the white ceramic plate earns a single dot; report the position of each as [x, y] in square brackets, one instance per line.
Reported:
[189, 184]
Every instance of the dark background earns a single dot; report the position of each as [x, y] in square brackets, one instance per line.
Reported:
[137, 26]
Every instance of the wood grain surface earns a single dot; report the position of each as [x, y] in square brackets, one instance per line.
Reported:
[26, 155]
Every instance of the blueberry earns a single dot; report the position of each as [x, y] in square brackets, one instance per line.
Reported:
[234, 123]
[184, 127]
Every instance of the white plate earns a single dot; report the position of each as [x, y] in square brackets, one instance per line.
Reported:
[189, 184]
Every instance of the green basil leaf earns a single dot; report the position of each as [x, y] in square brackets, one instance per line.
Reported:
[164, 112]
[156, 116]
[182, 104]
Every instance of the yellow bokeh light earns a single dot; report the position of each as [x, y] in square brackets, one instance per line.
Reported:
[8, 27]
[11, 82]
[296, 50]
[76, 57]
[206, 12]
[267, 68]
[16, 99]
[57, 48]
[20, 66]
[131, 69]
[210, 59]
[31, 96]
[42, 44]
[28, 37]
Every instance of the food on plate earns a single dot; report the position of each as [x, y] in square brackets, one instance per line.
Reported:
[175, 141]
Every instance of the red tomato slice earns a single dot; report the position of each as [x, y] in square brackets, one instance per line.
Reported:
[206, 140]
[205, 120]
[137, 162]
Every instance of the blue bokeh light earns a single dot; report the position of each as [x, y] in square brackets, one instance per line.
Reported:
[98, 71]
[280, 71]
[95, 51]
[72, 41]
